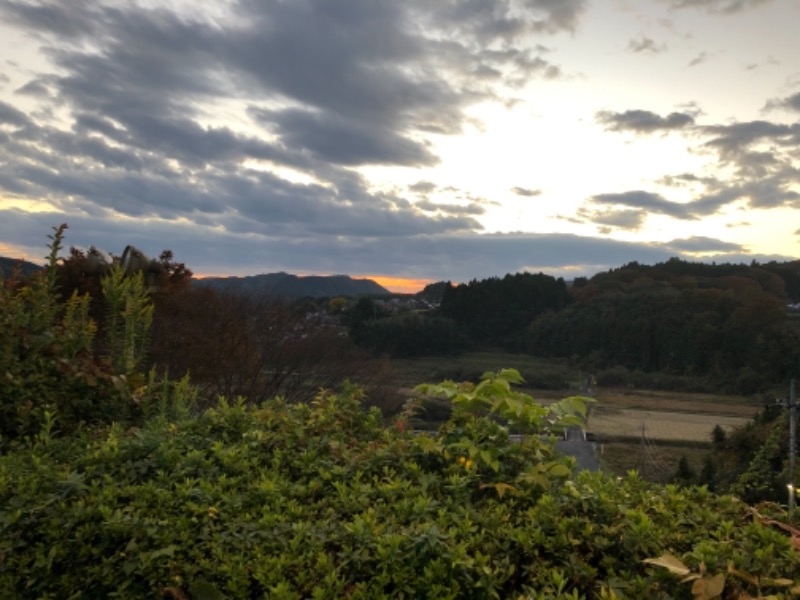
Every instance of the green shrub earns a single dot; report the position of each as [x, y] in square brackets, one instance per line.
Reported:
[49, 371]
[321, 500]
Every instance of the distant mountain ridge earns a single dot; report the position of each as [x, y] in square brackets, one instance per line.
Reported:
[295, 286]
[26, 268]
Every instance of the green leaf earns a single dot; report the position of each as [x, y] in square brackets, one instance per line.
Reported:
[166, 551]
[202, 590]
[559, 470]
[500, 488]
[511, 376]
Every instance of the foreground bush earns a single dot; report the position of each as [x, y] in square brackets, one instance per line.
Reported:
[322, 500]
[49, 370]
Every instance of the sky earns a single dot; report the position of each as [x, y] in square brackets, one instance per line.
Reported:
[408, 142]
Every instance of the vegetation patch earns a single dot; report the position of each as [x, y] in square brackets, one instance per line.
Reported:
[119, 482]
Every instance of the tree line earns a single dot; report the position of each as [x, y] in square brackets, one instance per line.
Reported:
[729, 322]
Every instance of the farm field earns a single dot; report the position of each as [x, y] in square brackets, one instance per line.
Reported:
[412, 371]
[671, 416]
[619, 412]
[676, 424]
[658, 425]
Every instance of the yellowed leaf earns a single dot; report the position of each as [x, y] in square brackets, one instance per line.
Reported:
[778, 582]
[669, 562]
[708, 587]
[742, 575]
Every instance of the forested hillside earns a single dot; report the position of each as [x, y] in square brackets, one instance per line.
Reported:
[292, 286]
[498, 311]
[736, 326]
[9, 265]
[731, 322]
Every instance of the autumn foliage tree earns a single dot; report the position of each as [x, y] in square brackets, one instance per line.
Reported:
[258, 347]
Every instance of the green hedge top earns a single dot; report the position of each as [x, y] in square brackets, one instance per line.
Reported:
[326, 501]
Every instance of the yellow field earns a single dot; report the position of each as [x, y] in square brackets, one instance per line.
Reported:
[667, 415]
[659, 425]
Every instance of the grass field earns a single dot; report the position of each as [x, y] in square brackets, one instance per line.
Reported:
[658, 425]
[471, 365]
[653, 462]
[670, 416]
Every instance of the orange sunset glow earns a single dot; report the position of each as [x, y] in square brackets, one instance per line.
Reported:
[399, 285]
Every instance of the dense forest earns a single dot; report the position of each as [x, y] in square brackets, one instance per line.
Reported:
[730, 322]
[731, 325]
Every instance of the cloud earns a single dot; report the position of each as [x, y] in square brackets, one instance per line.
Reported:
[648, 201]
[12, 116]
[643, 121]
[457, 256]
[528, 193]
[313, 87]
[725, 7]
[709, 202]
[35, 88]
[609, 219]
[503, 20]
[791, 103]
[422, 187]
[645, 44]
[760, 154]
[760, 151]
[344, 141]
[239, 130]
[699, 59]
[450, 209]
[699, 244]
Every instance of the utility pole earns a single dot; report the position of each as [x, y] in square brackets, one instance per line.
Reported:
[644, 451]
[792, 440]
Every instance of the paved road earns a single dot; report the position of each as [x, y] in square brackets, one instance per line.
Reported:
[577, 446]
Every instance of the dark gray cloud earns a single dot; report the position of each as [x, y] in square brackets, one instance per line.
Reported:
[458, 257]
[527, 192]
[344, 141]
[450, 209]
[237, 138]
[725, 7]
[647, 201]
[607, 220]
[789, 103]
[422, 187]
[732, 140]
[644, 121]
[35, 88]
[317, 87]
[504, 20]
[704, 245]
[766, 193]
[762, 154]
[645, 45]
[12, 116]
